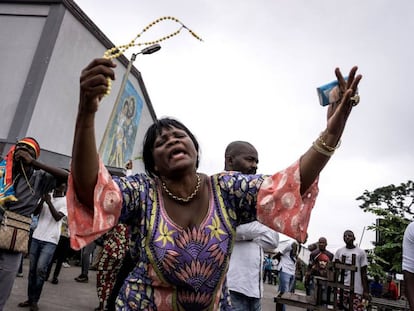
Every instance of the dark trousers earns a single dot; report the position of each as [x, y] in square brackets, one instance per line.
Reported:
[60, 256]
[267, 275]
[41, 255]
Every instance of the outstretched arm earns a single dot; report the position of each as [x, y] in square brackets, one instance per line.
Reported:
[84, 168]
[315, 159]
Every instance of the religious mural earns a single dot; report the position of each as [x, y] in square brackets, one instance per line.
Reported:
[119, 139]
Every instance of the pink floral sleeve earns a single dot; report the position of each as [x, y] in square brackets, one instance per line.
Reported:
[280, 206]
[86, 225]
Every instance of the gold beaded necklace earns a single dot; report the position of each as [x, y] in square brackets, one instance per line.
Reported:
[25, 177]
[180, 199]
[119, 50]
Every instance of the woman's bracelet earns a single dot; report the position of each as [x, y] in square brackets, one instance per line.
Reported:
[326, 146]
[322, 147]
[321, 150]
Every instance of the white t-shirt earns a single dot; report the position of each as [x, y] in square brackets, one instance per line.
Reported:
[408, 249]
[48, 229]
[361, 261]
[287, 264]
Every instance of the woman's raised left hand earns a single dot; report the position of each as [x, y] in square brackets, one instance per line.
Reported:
[339, 111]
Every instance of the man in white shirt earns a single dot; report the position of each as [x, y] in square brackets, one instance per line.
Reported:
[361, 281]
[51, 210]
[287, 269]
[408, 263]
[244, 277]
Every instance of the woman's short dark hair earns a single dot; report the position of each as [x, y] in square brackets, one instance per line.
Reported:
[151, 135]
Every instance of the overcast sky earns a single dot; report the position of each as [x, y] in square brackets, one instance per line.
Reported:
[254, 78]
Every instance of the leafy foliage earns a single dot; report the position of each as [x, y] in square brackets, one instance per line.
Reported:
[394, 207]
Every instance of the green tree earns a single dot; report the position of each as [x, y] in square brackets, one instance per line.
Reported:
[393, 206]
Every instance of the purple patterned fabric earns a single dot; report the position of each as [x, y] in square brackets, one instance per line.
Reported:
[183, 268]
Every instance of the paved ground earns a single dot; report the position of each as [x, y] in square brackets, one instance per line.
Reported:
[74, 296]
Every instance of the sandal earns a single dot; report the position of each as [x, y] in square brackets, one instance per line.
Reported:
[25, 304]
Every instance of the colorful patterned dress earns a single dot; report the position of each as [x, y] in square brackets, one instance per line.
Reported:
[115, 246]
[185, 268]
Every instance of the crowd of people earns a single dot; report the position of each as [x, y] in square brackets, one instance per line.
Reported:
[319, 265]
[169, 232]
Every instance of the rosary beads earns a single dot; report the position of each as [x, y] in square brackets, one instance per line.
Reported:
[119, 50]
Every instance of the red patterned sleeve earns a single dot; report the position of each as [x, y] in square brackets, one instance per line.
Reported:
[280, 205]
[86, 225]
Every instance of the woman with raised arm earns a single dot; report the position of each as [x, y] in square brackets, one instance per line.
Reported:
[182, 222]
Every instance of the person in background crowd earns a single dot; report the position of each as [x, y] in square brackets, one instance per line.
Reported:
[267, 269]
[128, 264]
[287, 269]
[361, 279]
[51, 210]
[115, 245]
[275, 270]
[97, 253]
[23, 176]
[246, 263]
[408, 263]
[183, 222]
[300, 268]
[391, 291]
[311, 248]
[376, 287]
[20, 271]
[86, 258]
[61, 252]
[319, 260]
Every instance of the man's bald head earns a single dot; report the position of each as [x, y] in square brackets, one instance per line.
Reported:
[241, 156]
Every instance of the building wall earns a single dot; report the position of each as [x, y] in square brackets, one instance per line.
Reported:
[48, 44]
[20, 31]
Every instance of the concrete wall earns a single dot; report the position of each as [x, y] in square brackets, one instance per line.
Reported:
[45, 45]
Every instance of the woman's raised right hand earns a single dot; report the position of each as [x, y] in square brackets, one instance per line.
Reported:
[94, 84]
